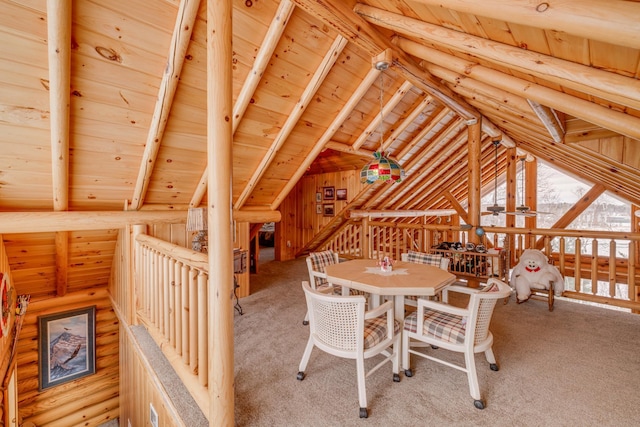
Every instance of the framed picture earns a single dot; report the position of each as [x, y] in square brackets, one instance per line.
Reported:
[328, 209]
[66, 346]
[318, 208]
[341, 194]
[318, 197]
[328, 193]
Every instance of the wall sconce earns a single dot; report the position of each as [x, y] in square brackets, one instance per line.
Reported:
[197, 221]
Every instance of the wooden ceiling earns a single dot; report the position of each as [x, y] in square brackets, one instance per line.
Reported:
[103, 105]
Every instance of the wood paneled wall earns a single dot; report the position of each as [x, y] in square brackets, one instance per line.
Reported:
[5, 340]
[140, 388]
[300, 218]
[89, 401]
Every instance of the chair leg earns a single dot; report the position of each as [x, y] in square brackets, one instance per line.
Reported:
[491, 358]
[362, 391]
[305, 359]
[306, 319]
[472, 377]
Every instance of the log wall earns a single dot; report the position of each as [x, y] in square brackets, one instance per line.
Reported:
[89, 401]
[5, 340]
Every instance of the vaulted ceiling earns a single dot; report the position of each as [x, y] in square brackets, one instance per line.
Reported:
[103, 103]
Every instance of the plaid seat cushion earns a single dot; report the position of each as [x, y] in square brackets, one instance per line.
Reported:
[424, 258]
[444, 326]
[375, 330]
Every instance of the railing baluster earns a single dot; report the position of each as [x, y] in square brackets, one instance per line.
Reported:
[577, 265]
[594, 266]
[193, 321]
[185, 313]
[612, 268]
[203, 364]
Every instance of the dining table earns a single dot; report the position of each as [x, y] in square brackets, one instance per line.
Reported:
[404, 279]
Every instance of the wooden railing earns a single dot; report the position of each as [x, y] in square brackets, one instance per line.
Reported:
[578, 254]
[171, 301]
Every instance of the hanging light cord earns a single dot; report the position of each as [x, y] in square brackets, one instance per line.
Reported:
[381, 116]
[495, 175]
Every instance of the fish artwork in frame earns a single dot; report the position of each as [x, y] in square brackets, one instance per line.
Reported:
[66, 346]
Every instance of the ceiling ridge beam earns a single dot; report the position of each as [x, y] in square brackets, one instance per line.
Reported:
[594, 113]
[307, 95]
[338, 15]
[600, 83]
[268, 46]
[325, 140]
[613, 22]
[180, 40]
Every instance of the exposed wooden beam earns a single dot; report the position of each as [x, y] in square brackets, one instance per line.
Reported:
[579, 130]
[314, 84]
[41, 222]
[474, 165]
[433, 122]
[219, 303]
[600, 83]
[62, 262]
[386, 109]
[325, 140]
[390, 213]
[620, 122]
[411, 117]
[549, 119]
[574, 211]
[170, 78]
[614, 22]
[268, 46]
[348, 149]
[59, 54]
[456, 205]
[530, 191]
[339, 16]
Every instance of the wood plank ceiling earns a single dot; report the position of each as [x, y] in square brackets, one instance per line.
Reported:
[103, 104]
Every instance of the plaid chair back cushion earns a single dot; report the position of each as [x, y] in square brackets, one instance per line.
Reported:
[319, 260]
[424, 258]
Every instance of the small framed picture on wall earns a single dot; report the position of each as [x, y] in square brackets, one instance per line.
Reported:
[341, 194]
[318, 197]
[328, 209]
[318, 208]
[328, 193]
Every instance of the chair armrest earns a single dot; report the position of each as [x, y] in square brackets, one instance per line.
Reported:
[382, 308]
[438, 306]
[457, 288]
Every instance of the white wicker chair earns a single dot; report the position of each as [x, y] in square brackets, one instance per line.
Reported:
[436, 260]
[339, 325]
[316, 263]
[463, 330]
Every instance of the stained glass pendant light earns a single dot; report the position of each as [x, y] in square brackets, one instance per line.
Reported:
[381, 168]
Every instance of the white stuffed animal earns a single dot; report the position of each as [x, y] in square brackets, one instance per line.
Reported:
[534, 272]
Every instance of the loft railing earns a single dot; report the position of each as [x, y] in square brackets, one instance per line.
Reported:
[171, 301]
[598, 266]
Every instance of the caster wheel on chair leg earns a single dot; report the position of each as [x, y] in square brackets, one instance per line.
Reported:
[478, 404]
[305, 322]
[396, 378]
[300, 376]
[363, 413]
[493, 366]
[408, 373]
